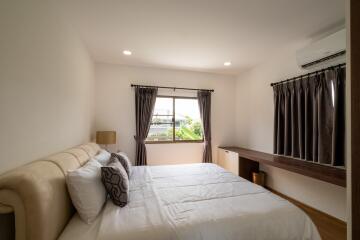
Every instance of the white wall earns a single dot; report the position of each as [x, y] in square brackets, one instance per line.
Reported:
[115, 108]
[254, 126]
[46, 83]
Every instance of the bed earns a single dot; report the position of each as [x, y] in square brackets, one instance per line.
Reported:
[193, 201]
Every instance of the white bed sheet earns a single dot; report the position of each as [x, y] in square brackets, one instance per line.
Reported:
[195, 201]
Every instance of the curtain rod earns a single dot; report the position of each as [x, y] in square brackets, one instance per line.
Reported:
[307, 74]
[174, 88]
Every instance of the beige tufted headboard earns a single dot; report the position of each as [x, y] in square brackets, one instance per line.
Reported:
[37, 193]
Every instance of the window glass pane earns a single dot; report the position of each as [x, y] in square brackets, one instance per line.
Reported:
[163, 106]
[161, 128]
[187, 120]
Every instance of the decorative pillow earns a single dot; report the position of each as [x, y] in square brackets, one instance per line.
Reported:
[86, 190]
[116, 182]
[124, 160]
[103, 157]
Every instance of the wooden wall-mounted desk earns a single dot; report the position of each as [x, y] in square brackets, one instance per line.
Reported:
[247, 161]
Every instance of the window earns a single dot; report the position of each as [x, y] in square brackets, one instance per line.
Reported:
[175, 119]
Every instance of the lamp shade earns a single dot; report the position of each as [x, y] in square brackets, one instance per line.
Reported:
[106, 137]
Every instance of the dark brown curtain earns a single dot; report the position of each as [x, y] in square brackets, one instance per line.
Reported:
[204, 99]
[309, 118]
[144, 106]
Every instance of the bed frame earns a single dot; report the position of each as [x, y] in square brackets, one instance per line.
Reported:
[37, 195]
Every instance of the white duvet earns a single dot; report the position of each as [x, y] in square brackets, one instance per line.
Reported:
[195, 201]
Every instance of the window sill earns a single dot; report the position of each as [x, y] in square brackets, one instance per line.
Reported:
[171, 142]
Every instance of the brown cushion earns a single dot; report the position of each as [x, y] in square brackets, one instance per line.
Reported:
[116, 182]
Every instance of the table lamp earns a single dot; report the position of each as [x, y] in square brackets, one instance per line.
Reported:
[106, 138]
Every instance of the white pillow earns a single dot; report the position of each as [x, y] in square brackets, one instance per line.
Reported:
[86, 190]
[103, 157]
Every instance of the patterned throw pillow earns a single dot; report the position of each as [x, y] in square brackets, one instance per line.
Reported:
[124, 160]
[116, 182]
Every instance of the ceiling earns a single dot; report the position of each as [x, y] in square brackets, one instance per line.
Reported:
[200, 34]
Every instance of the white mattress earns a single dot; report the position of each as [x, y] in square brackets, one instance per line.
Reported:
[195, 201]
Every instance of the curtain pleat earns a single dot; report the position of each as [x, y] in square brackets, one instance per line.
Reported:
[315, 108]
[309, 118]
[279, 120]
[287, 120]
[204, 99]
[325, 117]
[145, 99]
[294, 121]
[300, 117]
[276, 119]
[338, 148]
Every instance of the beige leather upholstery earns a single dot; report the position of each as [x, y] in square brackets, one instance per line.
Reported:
[37, 193]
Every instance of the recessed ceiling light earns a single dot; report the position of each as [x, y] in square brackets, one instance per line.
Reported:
[127, 52]
[227, 63]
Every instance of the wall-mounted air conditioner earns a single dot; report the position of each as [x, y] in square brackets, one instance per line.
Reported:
[326, 51]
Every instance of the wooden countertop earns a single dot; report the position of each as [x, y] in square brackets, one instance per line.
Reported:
[334, 175]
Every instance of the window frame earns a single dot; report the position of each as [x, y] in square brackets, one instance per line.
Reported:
[173, 123]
